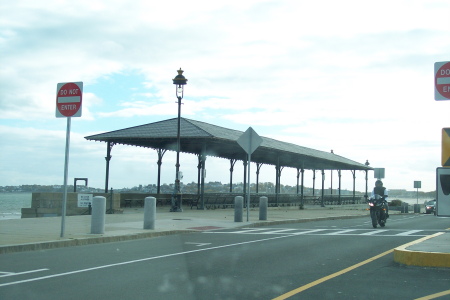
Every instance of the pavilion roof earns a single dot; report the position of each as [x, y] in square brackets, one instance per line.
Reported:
[196, 136]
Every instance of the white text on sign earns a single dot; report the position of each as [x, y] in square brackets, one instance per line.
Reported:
[69, 92]
[444, 80]
[69, 107]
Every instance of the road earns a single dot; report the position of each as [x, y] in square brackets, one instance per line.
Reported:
[334, 259]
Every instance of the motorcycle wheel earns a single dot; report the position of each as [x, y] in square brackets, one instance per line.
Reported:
[373, 215]
[382, 220]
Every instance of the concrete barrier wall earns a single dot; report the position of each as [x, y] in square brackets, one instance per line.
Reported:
[218, 200]
[50, 204]
[164, 198]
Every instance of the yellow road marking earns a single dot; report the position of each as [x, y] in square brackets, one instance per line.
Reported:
[434, 296]
[323, 279]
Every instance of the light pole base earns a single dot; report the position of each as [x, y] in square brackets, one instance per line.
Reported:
[176, 209]
[176, 203]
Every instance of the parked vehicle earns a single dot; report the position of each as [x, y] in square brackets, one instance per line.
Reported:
[378, 210]
[430, 207]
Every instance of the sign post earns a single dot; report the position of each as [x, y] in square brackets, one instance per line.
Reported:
[417, 185]
[68, 104]
[249, 141]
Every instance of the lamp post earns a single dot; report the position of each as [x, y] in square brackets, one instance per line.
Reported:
[367, 179]
[179, 82]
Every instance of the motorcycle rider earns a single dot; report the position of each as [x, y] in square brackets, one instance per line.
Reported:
[379, 189]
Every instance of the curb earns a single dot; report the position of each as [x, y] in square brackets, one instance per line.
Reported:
[421, 259]
[134, 236]
[84, 241]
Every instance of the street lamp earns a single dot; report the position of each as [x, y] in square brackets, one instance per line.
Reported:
[179, 82]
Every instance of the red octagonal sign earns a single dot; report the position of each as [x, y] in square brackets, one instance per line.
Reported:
[442, 80]
[69, 96]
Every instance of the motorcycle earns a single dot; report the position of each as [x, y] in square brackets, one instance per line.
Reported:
[378, 210]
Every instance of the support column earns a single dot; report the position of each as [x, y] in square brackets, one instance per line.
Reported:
[339, 175]
[245, 179]
[314, 182]
[232, 162]
[366, 196]
[276, 184]
[108, 158]
[258, 167]
[161, 153]
[331, 189]
[354, 180]
[302, 198]
[278, 170]
[199, 168]
[203, 175]
[323, 187]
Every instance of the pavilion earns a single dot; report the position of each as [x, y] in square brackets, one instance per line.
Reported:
[203, 139]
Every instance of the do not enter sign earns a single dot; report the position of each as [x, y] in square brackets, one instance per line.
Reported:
[442, 80]
[69, 96]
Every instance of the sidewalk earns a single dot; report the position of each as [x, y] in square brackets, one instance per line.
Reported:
[44, 233]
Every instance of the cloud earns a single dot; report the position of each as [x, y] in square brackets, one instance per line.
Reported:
[351, 76]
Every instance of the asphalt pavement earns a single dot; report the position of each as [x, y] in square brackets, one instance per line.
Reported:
[45, 233]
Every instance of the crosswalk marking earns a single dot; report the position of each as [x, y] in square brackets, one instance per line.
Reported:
[282, 230]
[249, 230]
[325, 231]
[308, 231]
[374, 232]
[341, 232]
[407, 233]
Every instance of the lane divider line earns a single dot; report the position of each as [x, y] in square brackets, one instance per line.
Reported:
[323, 279]
[434, 296]
[21, 273]
[139, 260]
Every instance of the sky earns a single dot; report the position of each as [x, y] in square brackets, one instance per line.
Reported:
[355, 77]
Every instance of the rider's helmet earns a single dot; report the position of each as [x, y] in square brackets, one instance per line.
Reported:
[378, 183]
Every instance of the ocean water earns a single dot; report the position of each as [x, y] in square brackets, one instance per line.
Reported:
[12, 203]
[412, 201]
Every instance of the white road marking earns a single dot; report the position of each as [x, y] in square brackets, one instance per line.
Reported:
[373, 232]
[325, 231]
[138, 260]
[408, 233]
[341, 232]
[198, 244]
[281, 231]
[248, 230]
[7, 274]
[309, 231]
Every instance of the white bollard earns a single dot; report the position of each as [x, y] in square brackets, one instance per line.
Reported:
[238, 208]
[149, 212]
[98, 215]
[263, 202]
